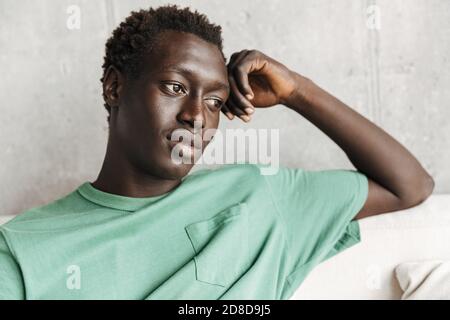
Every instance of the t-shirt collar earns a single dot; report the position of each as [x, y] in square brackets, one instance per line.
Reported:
[115, 201]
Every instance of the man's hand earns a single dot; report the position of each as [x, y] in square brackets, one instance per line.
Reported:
[256, 81]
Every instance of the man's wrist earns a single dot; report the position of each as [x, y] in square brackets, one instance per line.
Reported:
[299, 98]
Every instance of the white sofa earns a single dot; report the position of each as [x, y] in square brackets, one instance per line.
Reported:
[366, 270]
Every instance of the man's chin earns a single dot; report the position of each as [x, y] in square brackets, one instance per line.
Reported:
[177, 166]
[177, 170]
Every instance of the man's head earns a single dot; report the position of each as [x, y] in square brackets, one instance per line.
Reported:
[164, 69]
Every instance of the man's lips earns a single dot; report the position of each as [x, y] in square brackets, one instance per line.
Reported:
[188, 140]
[187, 145]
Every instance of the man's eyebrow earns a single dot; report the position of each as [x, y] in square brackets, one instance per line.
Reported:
[191, 73]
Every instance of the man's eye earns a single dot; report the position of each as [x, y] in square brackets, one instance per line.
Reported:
[174, 87]
[217, 103]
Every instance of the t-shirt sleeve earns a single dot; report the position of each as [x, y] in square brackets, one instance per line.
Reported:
[317, 209]
[11, 282]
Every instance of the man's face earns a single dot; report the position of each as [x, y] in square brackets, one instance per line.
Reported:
[184, 80]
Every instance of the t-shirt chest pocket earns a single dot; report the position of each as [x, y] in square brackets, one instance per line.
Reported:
[221, 246]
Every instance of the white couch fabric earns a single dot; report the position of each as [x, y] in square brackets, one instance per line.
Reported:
[367, 270]
[423, 280]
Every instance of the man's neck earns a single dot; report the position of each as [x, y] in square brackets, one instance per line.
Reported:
[119, 176]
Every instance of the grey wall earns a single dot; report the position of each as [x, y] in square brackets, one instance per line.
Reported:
[53, 129]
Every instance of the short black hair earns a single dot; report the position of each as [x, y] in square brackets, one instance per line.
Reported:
[137, 35]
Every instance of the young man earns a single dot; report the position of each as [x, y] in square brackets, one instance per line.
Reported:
[146, 229]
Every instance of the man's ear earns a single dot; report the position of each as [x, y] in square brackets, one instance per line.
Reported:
[112, 86]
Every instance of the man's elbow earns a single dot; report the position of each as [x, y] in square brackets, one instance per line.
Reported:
[428, 188]
[420, 193]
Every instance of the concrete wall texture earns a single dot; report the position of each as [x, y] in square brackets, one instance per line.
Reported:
[387, 59]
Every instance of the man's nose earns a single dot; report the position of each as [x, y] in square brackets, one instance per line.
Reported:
[192, 113]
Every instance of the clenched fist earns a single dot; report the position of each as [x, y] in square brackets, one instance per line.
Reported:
[257, 81]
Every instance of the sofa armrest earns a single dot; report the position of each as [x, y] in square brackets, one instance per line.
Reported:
[366, 270]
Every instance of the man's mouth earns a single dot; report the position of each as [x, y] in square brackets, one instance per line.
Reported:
[188, 143]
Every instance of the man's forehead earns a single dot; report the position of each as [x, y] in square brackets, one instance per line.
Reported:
[188, 55]
[174, 45]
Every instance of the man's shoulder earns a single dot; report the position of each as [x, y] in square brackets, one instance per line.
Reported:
[60, 206]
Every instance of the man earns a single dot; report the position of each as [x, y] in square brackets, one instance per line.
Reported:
[146, 229]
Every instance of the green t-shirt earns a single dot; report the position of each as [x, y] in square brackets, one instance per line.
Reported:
[227, 233]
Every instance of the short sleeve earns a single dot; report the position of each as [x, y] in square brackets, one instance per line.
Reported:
[317, 209]
[11, 282]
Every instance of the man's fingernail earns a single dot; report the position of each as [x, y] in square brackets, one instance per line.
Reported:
[249, 96]
[249, 110]
[245, 118]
